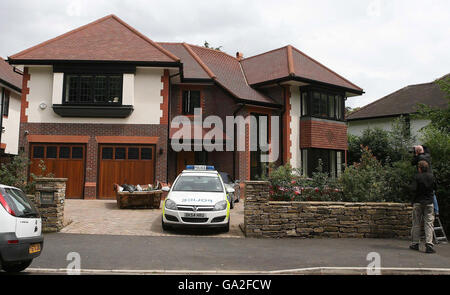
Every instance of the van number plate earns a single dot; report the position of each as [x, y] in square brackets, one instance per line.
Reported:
[34, 248]
[195, 215]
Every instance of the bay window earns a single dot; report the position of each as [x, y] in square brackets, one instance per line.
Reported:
[322, 104]
[332, 161]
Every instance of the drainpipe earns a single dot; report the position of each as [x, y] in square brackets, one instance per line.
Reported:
[168, 123]
[1, 115]
[241, 106]
[283, 110]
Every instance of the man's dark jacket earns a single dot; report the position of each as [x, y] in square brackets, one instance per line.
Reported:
[422, 188]
[423, 157]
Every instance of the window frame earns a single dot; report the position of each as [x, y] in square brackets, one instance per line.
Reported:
[183, 105]
[5, 103]
[91, 101]
[332, 167]
[311, 103]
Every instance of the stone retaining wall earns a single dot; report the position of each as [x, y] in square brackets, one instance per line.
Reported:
[279, 219]
[51, 209]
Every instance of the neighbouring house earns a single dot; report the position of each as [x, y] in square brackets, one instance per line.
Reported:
[98, 102]
[382, 112]
[10, 91]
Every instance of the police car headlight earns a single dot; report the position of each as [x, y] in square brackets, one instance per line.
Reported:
[222, 205]
[171, 205]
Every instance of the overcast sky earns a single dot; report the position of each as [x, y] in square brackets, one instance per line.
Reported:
[380, 45]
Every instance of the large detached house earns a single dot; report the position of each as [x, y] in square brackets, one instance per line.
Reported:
[97, 103]
[10, 93]
[403, 102]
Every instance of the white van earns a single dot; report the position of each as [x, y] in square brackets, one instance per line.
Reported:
[21, 238]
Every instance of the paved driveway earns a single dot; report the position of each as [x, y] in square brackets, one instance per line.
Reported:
[102, 217]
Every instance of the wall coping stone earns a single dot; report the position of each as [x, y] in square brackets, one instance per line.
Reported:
[50, 179]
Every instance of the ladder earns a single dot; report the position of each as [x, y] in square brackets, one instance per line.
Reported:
[439, 233]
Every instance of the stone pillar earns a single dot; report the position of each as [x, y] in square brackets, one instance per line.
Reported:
[49, 199]
[256, 211]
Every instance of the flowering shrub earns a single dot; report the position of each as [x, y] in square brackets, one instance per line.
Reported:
[288, 184]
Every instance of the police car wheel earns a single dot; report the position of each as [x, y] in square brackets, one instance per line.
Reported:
[226, 228]
[165, 226]
[232, 203]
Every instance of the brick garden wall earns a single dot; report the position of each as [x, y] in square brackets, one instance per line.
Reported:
[279, 219]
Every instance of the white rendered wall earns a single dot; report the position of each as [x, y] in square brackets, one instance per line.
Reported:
[357, 127]
[142, 90]
[11, 125]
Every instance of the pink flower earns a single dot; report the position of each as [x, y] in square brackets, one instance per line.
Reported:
[293, 182]
[316, 189]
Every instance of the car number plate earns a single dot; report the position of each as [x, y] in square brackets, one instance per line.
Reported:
[34, 248]
[195, 215]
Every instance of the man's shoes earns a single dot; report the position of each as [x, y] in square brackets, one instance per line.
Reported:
[429, 249]
[414, 247]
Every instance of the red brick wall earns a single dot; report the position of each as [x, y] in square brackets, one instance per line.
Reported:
[320, 134]
[93, 130]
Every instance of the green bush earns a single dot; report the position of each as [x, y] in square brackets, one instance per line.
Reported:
[14, 173]
[288, 184]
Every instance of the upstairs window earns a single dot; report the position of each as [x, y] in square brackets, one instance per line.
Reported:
[93, 89]
[322, 104]
[191, 101]
[6, 103]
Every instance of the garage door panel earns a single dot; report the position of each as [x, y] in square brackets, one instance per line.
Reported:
[70, 168]
[130, 168]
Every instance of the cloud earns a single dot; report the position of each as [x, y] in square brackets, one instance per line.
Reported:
[380, 45]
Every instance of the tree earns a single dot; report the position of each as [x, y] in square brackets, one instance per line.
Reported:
[206, 45]
[436, 136]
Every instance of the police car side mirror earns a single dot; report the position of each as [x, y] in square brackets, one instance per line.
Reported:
[230, 190]
[165, 189]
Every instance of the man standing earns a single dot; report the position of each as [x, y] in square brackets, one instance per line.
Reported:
[423, 187]
[422, 153]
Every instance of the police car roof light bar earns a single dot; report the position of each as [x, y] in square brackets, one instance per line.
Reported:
[199, 167]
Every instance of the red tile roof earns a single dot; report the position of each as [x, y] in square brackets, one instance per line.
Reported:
[191, 68]
[224, 69]
[8, 76]
[289, 61]
[106, 39]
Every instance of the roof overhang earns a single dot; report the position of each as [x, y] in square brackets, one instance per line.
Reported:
[379, 117]
[175, 64]
[10, 86]
[300, 81]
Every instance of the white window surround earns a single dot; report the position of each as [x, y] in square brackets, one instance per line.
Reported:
[127, 89]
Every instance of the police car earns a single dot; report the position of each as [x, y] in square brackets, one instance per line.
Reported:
[197, 198]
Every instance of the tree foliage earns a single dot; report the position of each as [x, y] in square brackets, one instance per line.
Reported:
[207, 45]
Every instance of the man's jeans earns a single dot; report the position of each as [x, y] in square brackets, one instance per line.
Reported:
[436, 206]
[422, 216]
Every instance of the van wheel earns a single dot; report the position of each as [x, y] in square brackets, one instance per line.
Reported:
[16, 266]
[232, 203]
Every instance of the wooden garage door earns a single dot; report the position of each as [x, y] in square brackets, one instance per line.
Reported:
[130, 164]
[62, 160]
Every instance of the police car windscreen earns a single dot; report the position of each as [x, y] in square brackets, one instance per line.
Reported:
[191, 183]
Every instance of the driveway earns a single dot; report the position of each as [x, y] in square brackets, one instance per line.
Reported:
[102, 217]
